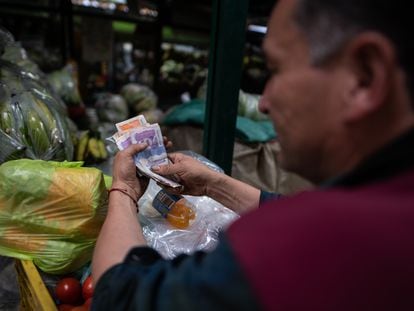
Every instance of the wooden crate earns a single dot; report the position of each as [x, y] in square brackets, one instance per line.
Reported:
[33, 292]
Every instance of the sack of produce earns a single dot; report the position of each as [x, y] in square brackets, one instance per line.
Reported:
[65, 83]
[51, 212]
[139, 97]
[111, 107]
[33, 123]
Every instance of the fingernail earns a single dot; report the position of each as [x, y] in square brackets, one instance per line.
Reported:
[155, 168]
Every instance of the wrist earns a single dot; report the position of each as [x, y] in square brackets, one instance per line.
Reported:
[214, 182]
[119, 201]
[127, 187]
[124, 191]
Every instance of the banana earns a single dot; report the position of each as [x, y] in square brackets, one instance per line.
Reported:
[7, 122]
[94, 149]
[44, 111]
[37, 132]
[81, 148]
[102, 150]
[21, 128]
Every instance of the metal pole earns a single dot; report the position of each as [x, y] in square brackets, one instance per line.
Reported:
[225, 67]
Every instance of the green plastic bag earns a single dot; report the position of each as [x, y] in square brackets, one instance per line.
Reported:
[247, 130]
[51, 212]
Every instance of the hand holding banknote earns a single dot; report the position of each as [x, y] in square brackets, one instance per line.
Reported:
[137, 131]
[124, 172]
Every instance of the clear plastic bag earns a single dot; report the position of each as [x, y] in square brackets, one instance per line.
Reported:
[65, 83]
[202, 234]
[32, 121]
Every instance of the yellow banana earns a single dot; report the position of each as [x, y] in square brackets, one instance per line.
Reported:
[93, 148]
[102, 150]
[81, 148]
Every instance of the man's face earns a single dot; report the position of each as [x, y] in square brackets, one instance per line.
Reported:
[302, 100]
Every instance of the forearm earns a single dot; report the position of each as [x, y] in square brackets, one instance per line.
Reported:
[120, 232]
[232, 193]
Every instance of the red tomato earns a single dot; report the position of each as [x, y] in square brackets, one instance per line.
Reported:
[87, 288]
[69, 291]
[65, 307]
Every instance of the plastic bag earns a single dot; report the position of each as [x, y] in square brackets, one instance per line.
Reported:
[65, 83]
[249, 107]
[51, 212]
[111, 107]
[202, 234]
[139, 97]
[32, 121]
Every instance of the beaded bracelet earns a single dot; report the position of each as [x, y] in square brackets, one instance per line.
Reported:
[125, 191]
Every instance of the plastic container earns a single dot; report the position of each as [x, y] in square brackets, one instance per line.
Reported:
[176, 209]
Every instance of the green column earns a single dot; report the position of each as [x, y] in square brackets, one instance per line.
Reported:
[227, 40]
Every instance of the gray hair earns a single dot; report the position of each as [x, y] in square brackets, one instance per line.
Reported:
[329, 24]
[326, 31]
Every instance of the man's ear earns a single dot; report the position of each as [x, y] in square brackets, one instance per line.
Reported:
[371, 60]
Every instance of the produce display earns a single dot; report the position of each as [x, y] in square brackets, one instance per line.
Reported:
[139, 97]
[183, 65]
[33, 120]
[90, 148]
[65, 84]
[111, 107]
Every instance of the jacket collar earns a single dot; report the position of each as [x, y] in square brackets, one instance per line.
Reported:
[394, 158]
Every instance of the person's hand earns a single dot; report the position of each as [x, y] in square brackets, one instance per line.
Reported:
[189, 172]
[124, 171]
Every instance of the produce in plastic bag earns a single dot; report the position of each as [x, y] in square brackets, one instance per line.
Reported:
[31, 119]
[249, 107]
[139, 97]
[16, 54]
[111, 108]
[51, 212]
[202, 234]
[5, 39]
[64, 82]
[153, 115]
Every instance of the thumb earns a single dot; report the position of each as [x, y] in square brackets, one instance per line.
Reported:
[135, 148]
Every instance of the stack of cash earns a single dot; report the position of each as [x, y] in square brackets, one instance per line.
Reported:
[138, 131]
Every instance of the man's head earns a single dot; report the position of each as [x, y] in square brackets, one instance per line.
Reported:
[338, 89]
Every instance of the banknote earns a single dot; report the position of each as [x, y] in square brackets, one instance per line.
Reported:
[131, 124]
[154, 155]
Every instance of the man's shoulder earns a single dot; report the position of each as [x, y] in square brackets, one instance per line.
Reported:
[337, 201]
[325, 240]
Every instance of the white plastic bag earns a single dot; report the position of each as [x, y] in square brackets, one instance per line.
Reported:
[202, 234]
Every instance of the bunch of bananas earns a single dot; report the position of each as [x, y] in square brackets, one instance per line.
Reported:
[90, 148]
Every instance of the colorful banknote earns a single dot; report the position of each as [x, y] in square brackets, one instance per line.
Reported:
[137, 131]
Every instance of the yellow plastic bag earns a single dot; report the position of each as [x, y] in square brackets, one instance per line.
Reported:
[51, 212]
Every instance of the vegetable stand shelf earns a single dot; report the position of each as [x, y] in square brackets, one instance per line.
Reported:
[33, 292]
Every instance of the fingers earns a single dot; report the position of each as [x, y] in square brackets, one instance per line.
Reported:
[163, 169]
[174, 157]
[167, 143]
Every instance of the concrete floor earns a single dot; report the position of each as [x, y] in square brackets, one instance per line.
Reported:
[9, 288]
